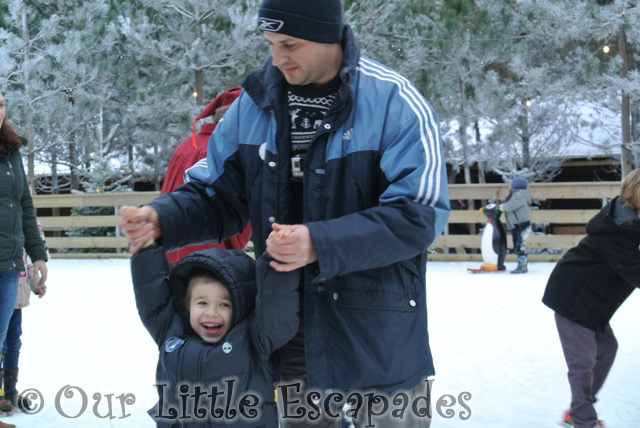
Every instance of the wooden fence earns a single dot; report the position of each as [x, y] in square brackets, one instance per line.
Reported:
[62, 224]
[543, 247]
[449, 247]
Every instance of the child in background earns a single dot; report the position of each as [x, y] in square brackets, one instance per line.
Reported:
[201, 315]
[586, 288]
[27, 284]
[518, 214]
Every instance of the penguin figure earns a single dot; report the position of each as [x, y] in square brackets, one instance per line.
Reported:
[494, 241]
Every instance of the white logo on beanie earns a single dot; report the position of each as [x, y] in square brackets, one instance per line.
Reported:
[266, 24]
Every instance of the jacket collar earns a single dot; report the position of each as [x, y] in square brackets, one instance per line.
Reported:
[620, 213]
[613, 217]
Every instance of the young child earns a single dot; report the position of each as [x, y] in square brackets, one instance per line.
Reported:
[518, 214]
[586, 288]
[216, 352]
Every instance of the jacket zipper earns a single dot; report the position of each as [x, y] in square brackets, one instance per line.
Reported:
[279, 157]
[181, 359]
[15, 227]
[182, 351]
[198, 377]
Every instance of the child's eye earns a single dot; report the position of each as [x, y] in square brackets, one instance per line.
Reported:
[225, 305]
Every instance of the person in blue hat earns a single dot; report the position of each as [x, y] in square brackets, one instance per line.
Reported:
[518, 213]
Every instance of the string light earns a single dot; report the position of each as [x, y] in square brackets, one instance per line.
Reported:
[606, 49]
[195, 94]
[528, 102]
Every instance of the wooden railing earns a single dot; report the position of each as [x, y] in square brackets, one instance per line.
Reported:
[459, 247]
[449, 247]
[66, 223]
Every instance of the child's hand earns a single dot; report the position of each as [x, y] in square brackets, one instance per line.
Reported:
[291, 247]
[149, 242]
[280, 231]
[139, 225]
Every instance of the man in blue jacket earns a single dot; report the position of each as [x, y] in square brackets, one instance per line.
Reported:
[348, 153]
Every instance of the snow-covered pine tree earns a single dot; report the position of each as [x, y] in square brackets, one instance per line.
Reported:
[182, 49]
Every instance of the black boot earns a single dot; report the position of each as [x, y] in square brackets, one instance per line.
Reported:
[10, 382]
[5, 407]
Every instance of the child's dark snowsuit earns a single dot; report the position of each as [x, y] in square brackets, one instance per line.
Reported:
[244, 360]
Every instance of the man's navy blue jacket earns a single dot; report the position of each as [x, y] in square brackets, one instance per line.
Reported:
[375, 198]
[244, 362]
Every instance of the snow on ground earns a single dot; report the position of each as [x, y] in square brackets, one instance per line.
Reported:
[490, 335]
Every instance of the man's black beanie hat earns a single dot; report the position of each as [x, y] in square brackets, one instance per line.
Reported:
[315, 20]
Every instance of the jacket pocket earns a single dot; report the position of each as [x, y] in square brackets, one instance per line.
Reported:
[393, 288]
[377, 322]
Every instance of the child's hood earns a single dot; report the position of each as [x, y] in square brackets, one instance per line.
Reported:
[235, 269]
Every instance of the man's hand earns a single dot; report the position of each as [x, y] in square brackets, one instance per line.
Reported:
[291, 247]
[140, 226]
[40, 270]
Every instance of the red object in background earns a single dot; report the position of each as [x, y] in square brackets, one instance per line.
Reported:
[190, 151]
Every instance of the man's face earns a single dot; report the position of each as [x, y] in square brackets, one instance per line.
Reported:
[303, 62]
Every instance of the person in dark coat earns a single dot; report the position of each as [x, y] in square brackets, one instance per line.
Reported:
[586, 288]
[18, 228]
[212, 342]
[348, 152]
[192, 150]
[28, 284]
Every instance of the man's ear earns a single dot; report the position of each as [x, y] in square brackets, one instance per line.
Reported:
[220, 111]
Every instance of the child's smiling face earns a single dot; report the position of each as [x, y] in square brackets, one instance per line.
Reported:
[210, 310]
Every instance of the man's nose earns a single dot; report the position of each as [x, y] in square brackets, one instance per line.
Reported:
[278, 57]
